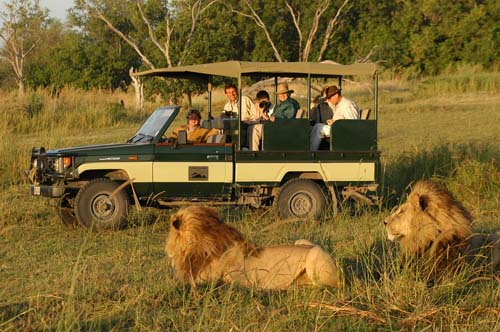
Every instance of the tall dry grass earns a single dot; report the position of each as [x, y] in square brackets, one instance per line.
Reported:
[56, 278]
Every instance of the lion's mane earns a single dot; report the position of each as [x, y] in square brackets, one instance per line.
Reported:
[434, 225]
[202, 248]
[196, 238]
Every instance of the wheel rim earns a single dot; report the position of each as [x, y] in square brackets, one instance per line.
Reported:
[301, 204]
[102, 207]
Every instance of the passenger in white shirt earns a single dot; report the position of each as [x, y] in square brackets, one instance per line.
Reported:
[342, 107]
[231, 109]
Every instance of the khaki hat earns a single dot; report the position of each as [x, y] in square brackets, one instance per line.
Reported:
[283, 88]
[331, 90]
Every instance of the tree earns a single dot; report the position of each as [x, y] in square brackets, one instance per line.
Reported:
[94, 58]
[305, 18]
[150, 28]
[22, 22]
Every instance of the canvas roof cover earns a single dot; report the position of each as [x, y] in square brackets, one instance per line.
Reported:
[242, 68]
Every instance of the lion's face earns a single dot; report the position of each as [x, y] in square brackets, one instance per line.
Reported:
[430, 214]
[398, 224]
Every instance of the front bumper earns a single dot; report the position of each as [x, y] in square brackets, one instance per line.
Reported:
[47, 191]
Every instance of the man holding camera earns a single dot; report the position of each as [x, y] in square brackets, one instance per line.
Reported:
[265, 108]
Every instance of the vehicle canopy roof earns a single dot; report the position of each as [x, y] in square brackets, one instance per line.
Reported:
[237, 69]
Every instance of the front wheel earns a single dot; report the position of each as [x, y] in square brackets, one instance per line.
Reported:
[97, 204]
[301, 198]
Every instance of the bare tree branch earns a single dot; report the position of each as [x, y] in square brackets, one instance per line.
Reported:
[329, 30]
[314, 28]
[97, 13]
[196, 10]
[296, 22]
[367, 57]
[168, 31]
[152, 35]
[261, 25]
[19, 25]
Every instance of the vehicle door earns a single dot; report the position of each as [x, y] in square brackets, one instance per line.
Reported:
[193, 171]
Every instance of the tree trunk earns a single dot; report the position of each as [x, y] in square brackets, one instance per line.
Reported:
[20, 88]
[139, 90]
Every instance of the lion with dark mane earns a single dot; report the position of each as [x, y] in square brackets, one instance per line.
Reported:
[432, 225]
[203, 249]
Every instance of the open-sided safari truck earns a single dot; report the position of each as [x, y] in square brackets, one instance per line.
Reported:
[96, 184]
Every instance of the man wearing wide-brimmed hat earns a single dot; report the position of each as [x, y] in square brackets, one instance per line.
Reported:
[342, 107]
[288, 107]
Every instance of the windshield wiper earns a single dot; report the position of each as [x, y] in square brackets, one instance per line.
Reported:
[140, 137]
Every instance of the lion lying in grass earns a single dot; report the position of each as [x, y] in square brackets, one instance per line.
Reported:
[433, 226]
[203, 249]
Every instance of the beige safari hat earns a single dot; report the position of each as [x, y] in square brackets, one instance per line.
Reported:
[283, 88]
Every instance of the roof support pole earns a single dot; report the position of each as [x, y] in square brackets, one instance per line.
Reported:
[308, 84]
[376, 95]
[209, 88]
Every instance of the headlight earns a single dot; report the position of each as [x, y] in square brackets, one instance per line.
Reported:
[67, 162]
[61, 164]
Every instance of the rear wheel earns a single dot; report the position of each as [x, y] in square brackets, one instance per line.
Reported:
[301, 198]
[98, 205]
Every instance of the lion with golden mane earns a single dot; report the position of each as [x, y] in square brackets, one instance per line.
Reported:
[203, 249]
[432, 225]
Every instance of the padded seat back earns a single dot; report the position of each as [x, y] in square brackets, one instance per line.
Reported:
[354, 135]
[286, 135]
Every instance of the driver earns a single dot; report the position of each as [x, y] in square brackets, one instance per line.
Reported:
[195, 133]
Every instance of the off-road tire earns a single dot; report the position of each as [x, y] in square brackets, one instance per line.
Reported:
[301, 198]
[94, 208]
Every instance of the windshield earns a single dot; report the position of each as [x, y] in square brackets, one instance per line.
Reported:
[153, 125]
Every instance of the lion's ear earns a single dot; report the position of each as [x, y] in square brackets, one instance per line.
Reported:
[176, 223]
[423, 201]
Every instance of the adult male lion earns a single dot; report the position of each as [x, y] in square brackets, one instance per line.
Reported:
[434, 226]
[202, 248]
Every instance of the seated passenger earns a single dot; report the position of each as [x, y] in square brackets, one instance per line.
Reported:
[195, 133]
[288, 107]
[342, 108]
[320, 110]
[231, 108]
[265, 108]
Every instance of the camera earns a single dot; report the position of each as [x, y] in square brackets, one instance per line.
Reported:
[228, 114]
[265, 105]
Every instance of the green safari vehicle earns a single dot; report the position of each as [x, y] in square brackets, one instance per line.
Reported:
[96, 185]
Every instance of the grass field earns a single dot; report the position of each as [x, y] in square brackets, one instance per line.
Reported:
[54, 278]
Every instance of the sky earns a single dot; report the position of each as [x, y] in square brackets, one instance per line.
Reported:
[57, 8]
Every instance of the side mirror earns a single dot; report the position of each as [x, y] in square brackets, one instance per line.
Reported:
[182, 137]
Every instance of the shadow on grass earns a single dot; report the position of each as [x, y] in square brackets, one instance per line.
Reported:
[442, 162]
[372, 264]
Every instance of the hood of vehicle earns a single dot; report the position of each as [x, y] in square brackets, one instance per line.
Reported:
[104, 150]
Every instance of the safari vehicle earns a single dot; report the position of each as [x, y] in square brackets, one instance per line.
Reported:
[95, 185]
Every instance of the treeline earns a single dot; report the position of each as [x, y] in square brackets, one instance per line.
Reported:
[103, 39]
